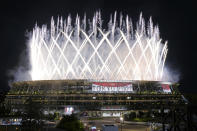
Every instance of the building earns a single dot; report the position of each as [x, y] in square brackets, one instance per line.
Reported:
[93, 97]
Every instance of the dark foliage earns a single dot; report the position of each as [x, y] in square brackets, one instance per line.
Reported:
[4, 110]
[32, 116]
[70, 123]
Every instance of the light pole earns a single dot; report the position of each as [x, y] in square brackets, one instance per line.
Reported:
[121, 120]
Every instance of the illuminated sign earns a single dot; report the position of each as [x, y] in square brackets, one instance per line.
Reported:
[166, 88]
[112, 87]
[113, 114]
[69, 110]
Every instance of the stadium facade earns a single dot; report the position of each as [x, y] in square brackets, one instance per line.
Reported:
[92, 97]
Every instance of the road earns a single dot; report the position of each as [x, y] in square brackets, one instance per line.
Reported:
[126, 126]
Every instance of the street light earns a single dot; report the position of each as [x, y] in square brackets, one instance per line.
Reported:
[121, 120]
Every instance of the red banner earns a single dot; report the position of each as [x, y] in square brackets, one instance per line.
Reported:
[112, 87]
[166, 88]
[111, 84]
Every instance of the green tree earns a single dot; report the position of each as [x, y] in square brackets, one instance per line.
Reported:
[4, 110]
[70, 123]
[32, 116]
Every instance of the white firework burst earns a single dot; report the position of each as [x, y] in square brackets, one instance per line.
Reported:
[67, 51]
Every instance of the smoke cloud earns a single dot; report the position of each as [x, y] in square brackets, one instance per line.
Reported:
[21, 72]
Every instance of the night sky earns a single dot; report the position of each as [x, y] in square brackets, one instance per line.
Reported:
[176, 20]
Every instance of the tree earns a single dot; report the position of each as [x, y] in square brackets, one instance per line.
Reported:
[32, 115]
[4, 110]
[70, 123]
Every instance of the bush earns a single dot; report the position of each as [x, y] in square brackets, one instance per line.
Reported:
[32, 116]
[70, 123]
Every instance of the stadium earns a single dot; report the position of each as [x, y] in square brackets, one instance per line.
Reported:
[75, 68]
[95, 98]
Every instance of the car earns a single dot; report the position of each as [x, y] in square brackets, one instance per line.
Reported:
[93, 128]
[109, 128]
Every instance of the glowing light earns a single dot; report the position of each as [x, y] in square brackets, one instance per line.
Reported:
[67, 51]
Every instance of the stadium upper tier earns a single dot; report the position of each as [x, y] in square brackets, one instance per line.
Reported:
[94, 95]
[92, 86]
